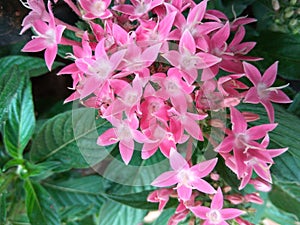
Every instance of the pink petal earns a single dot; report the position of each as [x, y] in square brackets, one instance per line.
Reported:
[126, 9]
[217, 201]
[126, 150]
[221, 36]
[193, 128]
[109, 137]
[187, 42]
[100, 52]
[252, 96]
[184, 192]
[269, 76]
[207, 60]
[279, 97]
[252, 73]
[197, 13]
[200, 211]
[166, 179]
[270, 110]
[276, 152]
[177, 161]
[116, 58]
[151, 53]
[202, 169]
[173, 57]
[226, 145]
[35, 45]
[231, 213]
[50, 55]
[166, 24]
[203, 186]
[40, 26]
[239, 124]
[260, 131]
[263, 171]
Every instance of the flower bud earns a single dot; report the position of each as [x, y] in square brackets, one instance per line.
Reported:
[261, 185]
[276, 5]
[254, 198]
[235, 199]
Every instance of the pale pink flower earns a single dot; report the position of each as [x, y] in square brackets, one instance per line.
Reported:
[95, 9]
[254, 198]
[138, 9]
[260, 184]
[38, 12]
[216, 215]
[98, 70]
[48, 37]
[187, 178]
[125, 132]
[187, 60]
[262, 92]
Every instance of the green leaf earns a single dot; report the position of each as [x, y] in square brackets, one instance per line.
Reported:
[285, 48]
[9, 84]
[279, 216]
[71, 138]
[113, 213]
[286, 197]
[3, 208]
[87, 190]
[164, 217]
[295, 106]
[20, 125]
[286, 134]
[34, 66]
[40, 206]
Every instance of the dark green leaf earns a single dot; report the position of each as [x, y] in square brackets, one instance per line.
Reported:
[2, 208]
[9, 84]
[78, 191]
[283, 47]
[230, 6]
[19, 127]
[40, 206]
[164, 217]
[113, 213]
[286, 198]
[71, 138]
[34, 66]
[295, 106]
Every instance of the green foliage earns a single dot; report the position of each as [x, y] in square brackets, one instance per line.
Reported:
[41, 208]
[20, 123]
[70, 138]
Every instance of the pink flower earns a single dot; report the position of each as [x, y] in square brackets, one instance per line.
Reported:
[95, 9]
[125, 132]
[48, 37]
[187, 60]
[161, 196]
[215, 215]
[262, 92]
[187, 178]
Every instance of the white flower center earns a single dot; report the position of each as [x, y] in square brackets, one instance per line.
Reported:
[98, 7]
[214, 216]
[262, 91]
[188, 61]
[101, 68]
[185, 177]
[241, 140]
[130, 98]
[124, 132]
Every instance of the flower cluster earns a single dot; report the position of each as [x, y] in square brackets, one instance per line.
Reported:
[157, 75]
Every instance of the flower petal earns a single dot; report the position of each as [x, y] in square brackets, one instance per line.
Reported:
[168, 178]
[231, 213]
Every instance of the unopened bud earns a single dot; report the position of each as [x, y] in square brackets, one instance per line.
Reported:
[276, 5]
[235, 199]
[293, 22]
[288, 12]
[254, 198]
[261, 185]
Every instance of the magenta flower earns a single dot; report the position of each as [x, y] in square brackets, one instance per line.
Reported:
[216, 215]
[187, 178]
[48, 37]
[262, 92]
[160, 196]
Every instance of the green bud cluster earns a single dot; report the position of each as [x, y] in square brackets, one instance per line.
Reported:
[287, 15]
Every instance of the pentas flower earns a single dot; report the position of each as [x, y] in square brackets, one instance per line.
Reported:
[125, 132]
[187, 178]
[161, 196]
[48, 37]
[95, 9]
[99, 69]
[187, 60]
[216, 215]
[262, 92]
